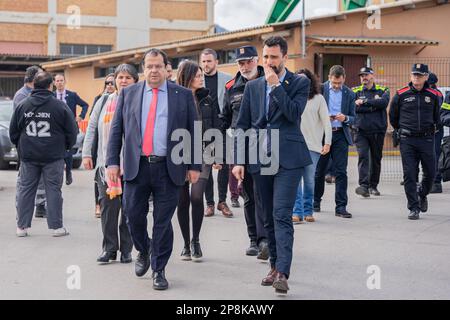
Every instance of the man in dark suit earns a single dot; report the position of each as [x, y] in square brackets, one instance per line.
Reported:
[146, 116]
[275, 103]
[72, 100]
[341, 107]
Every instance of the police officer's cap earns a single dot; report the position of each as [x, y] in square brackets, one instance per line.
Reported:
[246, 53]
[419, 68]
[366, 70]
[432, 78]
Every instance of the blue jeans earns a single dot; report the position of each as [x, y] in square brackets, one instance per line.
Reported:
[305, 192]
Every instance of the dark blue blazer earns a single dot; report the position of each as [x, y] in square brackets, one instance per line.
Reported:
[290, 99]
[126, 130]
[73, 100]
[347, 108]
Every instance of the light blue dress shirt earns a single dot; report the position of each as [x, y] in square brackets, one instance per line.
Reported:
[268, 90]
[162, 115]
[334, 105]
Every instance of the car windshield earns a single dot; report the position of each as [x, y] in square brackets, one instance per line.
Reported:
[6, 110]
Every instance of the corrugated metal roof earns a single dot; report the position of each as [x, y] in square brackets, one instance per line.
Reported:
[373, 41]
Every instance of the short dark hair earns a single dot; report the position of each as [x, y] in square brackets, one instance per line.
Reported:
[43, 80]
[314, 88]
[277, 41]
[210, 51]
[61, 75]
[337, 71]
[30, 73]
[156, 52]
[127, 68]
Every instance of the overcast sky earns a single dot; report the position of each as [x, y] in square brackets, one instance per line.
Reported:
[239, 14]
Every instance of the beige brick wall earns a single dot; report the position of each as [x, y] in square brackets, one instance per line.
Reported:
[87, 35]
[90, 7]
[23, 32]
[164, 35]
[178, 10]
[24, 5]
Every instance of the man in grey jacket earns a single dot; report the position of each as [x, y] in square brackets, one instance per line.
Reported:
[215, 81]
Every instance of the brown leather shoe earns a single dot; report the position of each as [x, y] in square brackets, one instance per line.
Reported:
[209, 212]
[310, 219]
[270, 278]
[280, 283]
[222, 206]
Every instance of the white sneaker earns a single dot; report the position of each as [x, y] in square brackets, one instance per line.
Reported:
[21, 232]
[61, 232]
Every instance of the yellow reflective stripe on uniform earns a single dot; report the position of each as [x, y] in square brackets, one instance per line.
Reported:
[446, 106]
[357, 89]
[380, 87]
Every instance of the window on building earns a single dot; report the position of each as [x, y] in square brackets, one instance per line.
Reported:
[82, 49]
[102, 72]
[226, 56]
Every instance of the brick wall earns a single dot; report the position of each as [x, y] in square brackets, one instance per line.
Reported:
[87, 35]
[90, 7]
[164, 35]
[24, 5]
[178, 10]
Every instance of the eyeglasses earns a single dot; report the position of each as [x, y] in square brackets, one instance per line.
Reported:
[109, 83]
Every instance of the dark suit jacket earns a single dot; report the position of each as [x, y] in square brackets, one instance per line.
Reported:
[127, 126]
[347, 108]
[73, 100]
[290, 99]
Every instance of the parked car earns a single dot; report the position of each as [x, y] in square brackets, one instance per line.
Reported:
[8, 151]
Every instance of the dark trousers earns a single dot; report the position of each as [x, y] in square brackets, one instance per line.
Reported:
[234, 184]
[194, 197]
[222, 185]
[52, 177]
[339, 156]
[415, 150]
[277, 194]
[437, 145]
[370, 153]
[254, 216]
[151, 178]
[68, 159]
[110, 210]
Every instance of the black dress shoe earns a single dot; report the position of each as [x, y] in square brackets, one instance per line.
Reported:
[414, 215]
[196, 251]
[159, 280]
[252, 250]
[264, 252]
[316, 207]
[235, 203]
[40, 212]
[344, 214]
[142, 264]
[437, 188]
[423, 204]
[106, 257]
[126, 257]
[69, 179]
[374, 191]
[362, 191]
[186, 253]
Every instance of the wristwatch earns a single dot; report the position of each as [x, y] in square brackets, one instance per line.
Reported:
[275, 86]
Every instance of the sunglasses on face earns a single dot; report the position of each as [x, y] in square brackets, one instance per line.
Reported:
[109, 83]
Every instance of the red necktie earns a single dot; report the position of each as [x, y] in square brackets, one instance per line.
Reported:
[147, 145]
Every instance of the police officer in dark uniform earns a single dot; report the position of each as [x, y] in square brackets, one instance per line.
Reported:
[247, 60]
[415, 114]
[370, 125]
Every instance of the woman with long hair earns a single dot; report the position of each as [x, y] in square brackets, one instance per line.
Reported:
[109, 192]
[190, 76]
[314, 125]
[108, 89]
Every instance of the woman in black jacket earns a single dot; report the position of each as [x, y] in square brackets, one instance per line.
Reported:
[190, 75]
